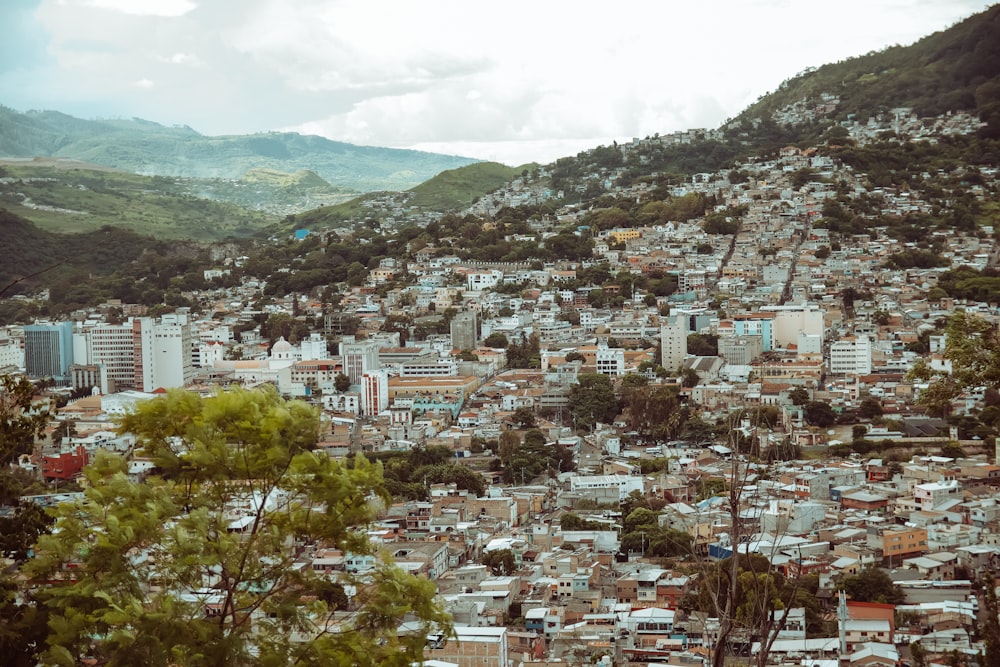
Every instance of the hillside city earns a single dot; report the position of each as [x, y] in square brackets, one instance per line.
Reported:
[755, 378]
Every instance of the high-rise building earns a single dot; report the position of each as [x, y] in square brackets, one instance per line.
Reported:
[375, 392]
[673, 344]
[142, 354]
[463, 330]
[173, 347]
[48, 350]
[359, 357]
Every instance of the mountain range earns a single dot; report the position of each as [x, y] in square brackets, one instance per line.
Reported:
[148, 148]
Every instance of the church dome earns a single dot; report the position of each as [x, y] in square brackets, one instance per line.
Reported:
[281, 348]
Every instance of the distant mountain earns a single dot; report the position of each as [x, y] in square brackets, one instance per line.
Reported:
[145, 147]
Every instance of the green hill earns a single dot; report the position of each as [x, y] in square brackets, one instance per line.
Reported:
[303, 178]
[64, 197]
[53, 257]
[458, 188]
[149, 148]
[450, 190]
[957, 69]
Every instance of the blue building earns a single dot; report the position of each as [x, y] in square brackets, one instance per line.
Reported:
[48, 350]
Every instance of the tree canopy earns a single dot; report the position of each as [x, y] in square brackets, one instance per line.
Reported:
[200, 564]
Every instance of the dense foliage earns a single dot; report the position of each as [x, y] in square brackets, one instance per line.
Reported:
[196, 565]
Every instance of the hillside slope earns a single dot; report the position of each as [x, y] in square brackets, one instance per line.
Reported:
[77, 197]
[957, 69]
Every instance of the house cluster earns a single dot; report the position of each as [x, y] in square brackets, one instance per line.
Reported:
[772, 300]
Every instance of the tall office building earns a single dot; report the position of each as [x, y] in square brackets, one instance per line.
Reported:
[464, 330]
[359, 357]
[673, 343]
[48, 350]
[172, 352]
[142, 354]
[375, 392]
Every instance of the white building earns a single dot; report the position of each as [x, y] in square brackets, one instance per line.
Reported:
[314, 348]
[359, 358]
[851, 356]
[375, 392]
[142, 354]
[610, 360]
[673, 343]
[625, 484]
[482, 280]
[791, 320]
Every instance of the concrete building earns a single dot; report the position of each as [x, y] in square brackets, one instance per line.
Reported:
[375, 392]
[143, 354]
[472, 647]
[741, 349]
[851, 356]
[48, 350]
[464, 330]
[610, 360]
[673, 343]
[359, 358]
[790, 320]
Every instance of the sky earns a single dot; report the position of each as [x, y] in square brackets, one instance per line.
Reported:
[514, 81]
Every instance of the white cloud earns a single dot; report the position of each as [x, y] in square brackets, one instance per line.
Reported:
[143, 83]
[145, 7]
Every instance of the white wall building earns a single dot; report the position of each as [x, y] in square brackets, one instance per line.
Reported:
[625, 484]
[375, 392]
[673, 343]
[851, 356]
[610, 360]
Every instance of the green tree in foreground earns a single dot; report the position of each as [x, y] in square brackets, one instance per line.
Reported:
[197, 565]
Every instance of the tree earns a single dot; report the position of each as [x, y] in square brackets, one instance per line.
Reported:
[523, 417]
[500, 561]
[799, 396]
[819, 414]
[973, 347]
[341, 382]
[21, 419]
[689, 377]
[592, 400]
[571, 521]
[703, 345]
[872, 584]
[870, 408]
[196, 566]
[495, 340]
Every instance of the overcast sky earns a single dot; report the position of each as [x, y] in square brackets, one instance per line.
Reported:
[512, 81]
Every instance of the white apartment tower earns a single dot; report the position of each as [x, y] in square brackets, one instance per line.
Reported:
[173, 352]
[673, 343]
[374, 392]
[851, 356]
[359, 357]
